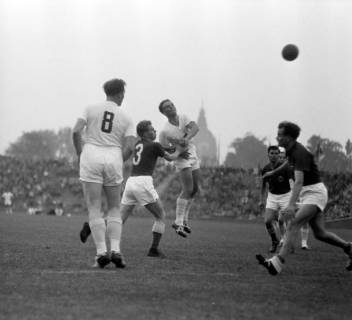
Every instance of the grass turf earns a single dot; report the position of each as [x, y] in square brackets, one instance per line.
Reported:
[46, 273]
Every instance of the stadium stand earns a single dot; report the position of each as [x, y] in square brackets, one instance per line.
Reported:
[224, 192]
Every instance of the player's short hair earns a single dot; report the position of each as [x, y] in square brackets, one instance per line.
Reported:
[273, 148]
[290, 129]
[162, 103]
[142, 127]
[114, 87]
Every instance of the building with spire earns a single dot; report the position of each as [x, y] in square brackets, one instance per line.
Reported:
[205, 142]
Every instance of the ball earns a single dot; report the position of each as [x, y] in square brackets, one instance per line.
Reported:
[290, 52]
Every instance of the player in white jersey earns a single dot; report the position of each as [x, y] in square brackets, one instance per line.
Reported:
[179, 131]
[101, 161]
[7, 196]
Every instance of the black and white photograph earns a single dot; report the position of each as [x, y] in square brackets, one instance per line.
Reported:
[175, 159]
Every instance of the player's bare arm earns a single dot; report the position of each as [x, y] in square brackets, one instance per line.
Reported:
[191, 130]
[296, 190]
[275, 171]
[77, 135]
[263, 191]
[179, 153]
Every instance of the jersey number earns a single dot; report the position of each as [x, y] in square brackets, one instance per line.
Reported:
[106, 125]
[138, 154]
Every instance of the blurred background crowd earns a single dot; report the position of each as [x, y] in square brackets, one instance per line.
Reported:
[224, 191]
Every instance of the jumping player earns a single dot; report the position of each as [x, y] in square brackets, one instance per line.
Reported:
[313, 198]
[101, 161]
[178, 132]
[139, 187]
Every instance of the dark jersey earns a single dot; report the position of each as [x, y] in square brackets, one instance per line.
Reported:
[144, 159]
[302, 160]
[279, 183]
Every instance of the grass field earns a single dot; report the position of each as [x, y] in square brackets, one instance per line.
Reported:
[213, 274]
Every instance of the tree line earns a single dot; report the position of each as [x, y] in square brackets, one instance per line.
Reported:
[246, 152]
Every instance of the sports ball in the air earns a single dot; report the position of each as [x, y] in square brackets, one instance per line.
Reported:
[290, 52]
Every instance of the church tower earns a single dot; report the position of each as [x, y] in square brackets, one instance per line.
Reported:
[205, 142]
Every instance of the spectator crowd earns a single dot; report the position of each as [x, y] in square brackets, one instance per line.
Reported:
[224, 192]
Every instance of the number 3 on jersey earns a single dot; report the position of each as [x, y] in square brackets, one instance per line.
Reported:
[138, 154]
[106, 125]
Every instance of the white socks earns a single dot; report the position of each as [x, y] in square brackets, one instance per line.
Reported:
[181, 205]
[98, 228]
[304, 236]
[114, 228]
[188, 208]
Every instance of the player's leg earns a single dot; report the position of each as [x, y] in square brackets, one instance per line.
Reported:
[196, 181]
[114, 223]
[92, 195]
[303, 216]
[318, 226]
[158, 229]
[126, 210]
[304, 236]
[270, 216]
[282, 228]
[182, 201]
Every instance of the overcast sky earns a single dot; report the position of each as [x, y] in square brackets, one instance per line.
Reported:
[56, 54]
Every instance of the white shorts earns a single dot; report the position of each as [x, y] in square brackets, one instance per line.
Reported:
[101, 165]
[277, 202]
[139, 190]
[316, 194]
[192, 162]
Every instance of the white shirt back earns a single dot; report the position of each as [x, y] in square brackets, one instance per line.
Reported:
[107, 124]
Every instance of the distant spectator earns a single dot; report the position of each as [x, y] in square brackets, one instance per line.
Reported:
[7, 196]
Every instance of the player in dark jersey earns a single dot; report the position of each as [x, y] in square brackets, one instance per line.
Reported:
[139, 187]
[278, 175]
[278, 192]
[313, 198]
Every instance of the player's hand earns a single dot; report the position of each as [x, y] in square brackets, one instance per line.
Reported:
[185, 155]
[289, 212]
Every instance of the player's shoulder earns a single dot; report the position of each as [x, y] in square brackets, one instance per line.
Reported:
[300, 150]
[123, 115]
[151, 144]
[184, 118]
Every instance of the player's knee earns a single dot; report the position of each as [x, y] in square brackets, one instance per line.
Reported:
[268, 219]
[161, 215]
[96, 222]
[319, 234]
[158, 226]
[114, 219]
[94, 214]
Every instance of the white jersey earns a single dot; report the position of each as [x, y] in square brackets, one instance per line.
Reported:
[171, 131]
[107, 125]
[7, 198]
